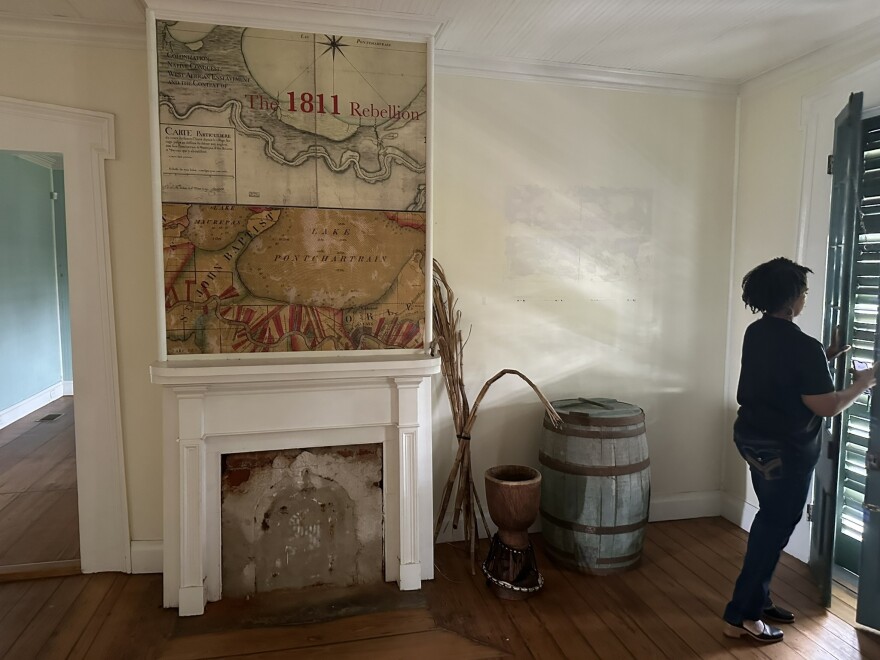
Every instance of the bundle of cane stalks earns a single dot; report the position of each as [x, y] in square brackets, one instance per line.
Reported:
[450, 347]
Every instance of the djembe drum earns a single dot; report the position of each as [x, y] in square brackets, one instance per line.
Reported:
[513, 496]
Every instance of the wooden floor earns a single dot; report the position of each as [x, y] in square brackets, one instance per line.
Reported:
[668, 607]
[38, 505]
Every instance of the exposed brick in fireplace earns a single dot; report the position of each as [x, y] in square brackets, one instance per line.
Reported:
[300, 518]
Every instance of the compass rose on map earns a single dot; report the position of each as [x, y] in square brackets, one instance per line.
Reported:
[334, 45]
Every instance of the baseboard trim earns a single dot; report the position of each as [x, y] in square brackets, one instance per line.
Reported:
[67, 388]
[44, 569]
[146, 556]
[683, 506]
[742, 513]
[700, 504]
[31, 404]
[737, 511]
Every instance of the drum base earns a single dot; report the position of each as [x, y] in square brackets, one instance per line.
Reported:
[512, 574]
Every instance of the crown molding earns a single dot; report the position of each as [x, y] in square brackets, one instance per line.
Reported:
[301, 16]
[113, 35]
[453, 63]
[859, 45]
[309, 17]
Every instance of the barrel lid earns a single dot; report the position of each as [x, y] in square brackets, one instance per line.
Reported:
[592, 408]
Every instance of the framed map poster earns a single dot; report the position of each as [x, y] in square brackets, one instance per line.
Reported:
[293, 173]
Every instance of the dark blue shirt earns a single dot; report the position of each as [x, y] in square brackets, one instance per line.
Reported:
[779, 364]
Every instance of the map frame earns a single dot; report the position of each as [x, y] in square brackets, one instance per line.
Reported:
[156, 16]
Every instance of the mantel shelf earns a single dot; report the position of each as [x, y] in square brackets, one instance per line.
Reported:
[224, 371]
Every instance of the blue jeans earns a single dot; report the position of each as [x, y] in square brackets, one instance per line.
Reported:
[781, 476]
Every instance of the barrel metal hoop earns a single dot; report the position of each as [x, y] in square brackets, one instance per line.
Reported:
[586, 419]
[619, 560]
[592, 470]
[609, 433]
[589, 529]
[569, 560]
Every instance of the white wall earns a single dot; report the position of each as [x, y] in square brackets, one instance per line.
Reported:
[648, 328]
[616, 172]
[113, 80]
[782, 212]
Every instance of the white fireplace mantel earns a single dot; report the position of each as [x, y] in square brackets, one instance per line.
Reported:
[221, 406]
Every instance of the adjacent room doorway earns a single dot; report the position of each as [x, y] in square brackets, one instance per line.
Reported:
[39, 521]
[85, 140]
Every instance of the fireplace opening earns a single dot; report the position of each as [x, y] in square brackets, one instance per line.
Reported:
[301, 518]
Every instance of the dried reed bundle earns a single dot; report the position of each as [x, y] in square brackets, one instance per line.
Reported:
[450, 346]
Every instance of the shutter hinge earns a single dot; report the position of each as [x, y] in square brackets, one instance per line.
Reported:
[872, 461]
[830, 169]
[809, 513]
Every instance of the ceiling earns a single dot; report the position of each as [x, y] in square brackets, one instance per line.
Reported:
[725, 41]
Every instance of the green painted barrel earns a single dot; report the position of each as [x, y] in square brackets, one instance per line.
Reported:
[596, 485]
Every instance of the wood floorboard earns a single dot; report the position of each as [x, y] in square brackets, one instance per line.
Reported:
[39, 517]
[137, 625]
[535, 638]
[704, 604]
[23, 448]
[434, 644]
[33, 637]
[700, 641]
[29, 422]
[86, 636]
[813, 629]
[6, 499]
[32, 602]
[623, 599]
[62, 640]
[60, 477]
[32, 439]
[726, 574]
[817, 620]
[731, 546]
[19, 516]
[266, 640]
[48, 540]
[10, 594]
[669, 606]
[471, 612]
[844, 594]
[22, 472]
[552, 608]
[578, 605]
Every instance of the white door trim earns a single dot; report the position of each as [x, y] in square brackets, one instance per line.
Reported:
[85, 140]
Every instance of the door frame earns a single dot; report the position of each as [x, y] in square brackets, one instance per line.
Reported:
[85, 139]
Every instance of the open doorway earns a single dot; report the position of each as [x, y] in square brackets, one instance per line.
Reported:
[39, 522]
[84, 138]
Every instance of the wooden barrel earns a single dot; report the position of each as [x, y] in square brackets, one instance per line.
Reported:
[596, 485]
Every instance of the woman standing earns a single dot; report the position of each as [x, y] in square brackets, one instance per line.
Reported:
[785, 389]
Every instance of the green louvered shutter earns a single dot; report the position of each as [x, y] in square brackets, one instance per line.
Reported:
[839, 285]
[856, 426]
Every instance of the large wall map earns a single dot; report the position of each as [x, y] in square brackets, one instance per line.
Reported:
[293, 190]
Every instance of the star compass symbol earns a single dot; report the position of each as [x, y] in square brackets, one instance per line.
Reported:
[334, 45]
